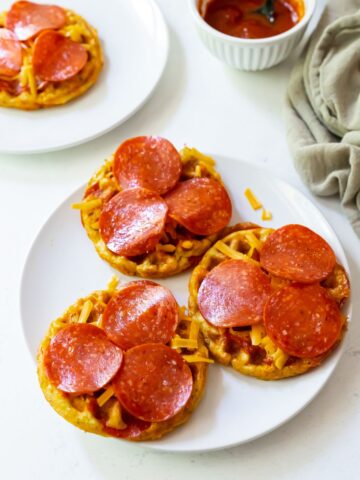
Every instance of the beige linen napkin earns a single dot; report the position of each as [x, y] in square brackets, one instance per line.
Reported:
[323, 109]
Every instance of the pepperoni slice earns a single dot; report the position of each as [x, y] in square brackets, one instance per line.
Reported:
[132, 222]
[233, 294]
[27, 19]
[297, 253]
[303, 320]
[57, 58]
[81, 359]
[10, 53]
[154, 383]
[148, 162]
[141, 312]
[201, 205]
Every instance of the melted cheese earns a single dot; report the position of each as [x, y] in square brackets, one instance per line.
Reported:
[115, 418]
[183, 316]
[259, 337]
[243, 358]
[166, 248]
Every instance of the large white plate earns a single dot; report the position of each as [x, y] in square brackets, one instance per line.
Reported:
[134, 37]
[62, 265]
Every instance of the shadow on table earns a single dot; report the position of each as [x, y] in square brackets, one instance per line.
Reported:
[275, 80]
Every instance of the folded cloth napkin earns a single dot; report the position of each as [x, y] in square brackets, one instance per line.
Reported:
[323, 109]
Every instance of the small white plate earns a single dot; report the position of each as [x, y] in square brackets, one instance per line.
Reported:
[134, 37]
[62, 266]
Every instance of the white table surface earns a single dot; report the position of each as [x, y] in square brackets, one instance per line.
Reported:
[202, 103]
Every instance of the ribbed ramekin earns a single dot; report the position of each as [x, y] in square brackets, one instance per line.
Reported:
[251, 54]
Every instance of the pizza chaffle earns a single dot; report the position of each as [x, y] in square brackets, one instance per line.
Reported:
[269, 301]
[49, 55]
[152, 211]
[126, 363]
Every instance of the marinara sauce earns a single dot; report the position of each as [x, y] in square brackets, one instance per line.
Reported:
[238, 18]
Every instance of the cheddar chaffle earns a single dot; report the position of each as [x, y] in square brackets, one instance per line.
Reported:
[237, 333]
[100, 410]
[166, 232]
[48, 56]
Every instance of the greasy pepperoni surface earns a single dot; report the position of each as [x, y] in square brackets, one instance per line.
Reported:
[26, 19]
[81, 359]
[148, 162]
[202, 205]
[132, 222]
[154, 382]
[10, 53]
[141, 312]
[303, 320]
[297, 253]
[57, 58]
[233, 294]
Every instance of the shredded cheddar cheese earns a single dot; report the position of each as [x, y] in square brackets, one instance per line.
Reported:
[194, 330]
[113, 283]
[231, 253]
[253, 241]
[196, 359]
[254, 202]
[85, 312]
[187, 153]
[104, 397]
[87, 205]
[178, 342]
[266, 215]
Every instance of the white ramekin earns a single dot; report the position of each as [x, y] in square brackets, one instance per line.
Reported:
[251, 54]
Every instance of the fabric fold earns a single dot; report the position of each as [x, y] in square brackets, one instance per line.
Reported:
[323, 110]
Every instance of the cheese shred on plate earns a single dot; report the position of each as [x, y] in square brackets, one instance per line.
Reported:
[254, 202]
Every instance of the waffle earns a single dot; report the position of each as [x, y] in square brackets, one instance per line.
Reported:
[249, 350]
[101, 413]
[177, 250]
[25, 93]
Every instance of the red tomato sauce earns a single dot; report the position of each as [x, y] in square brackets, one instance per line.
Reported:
[239, 19]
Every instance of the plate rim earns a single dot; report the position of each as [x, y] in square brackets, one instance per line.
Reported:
[131, 113]
[160, 447]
